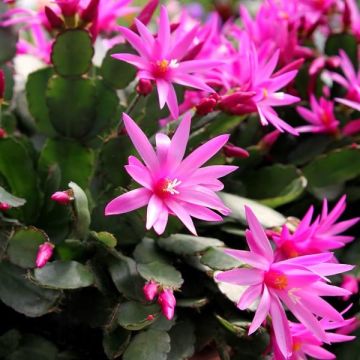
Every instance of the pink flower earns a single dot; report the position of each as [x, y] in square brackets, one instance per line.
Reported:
[150, 290]
[255, 88]
[298, 283]
[323, 235]
[321, 117]
[167, 302]
[61, 197]
[306, 344]
[160, 59]
[171, 185]
[351, 283]
[44, 254]
[350, 81]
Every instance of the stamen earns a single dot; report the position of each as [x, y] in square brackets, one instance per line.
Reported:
[276, 280]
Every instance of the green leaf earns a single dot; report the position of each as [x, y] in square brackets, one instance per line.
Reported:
[12, 200]
[134, 316]
[115, 343]
[147, 252]
[125, 277]
[22, 295]
[72, 52]
[16, 165]
[267, 216]
[274, 185]
[216, 259]
[164, 274]
[71, 104]
[34, 347]
[192, 303]
[75, 161]
[106, 238]
[182, 341]
[8, 40]
[343, 41]
[187, 244]
[82, 213]
[9, 342]
[36, 87]
[24, 246]
[117, 73]
[64, 275]
[148, 345]
[333, 168]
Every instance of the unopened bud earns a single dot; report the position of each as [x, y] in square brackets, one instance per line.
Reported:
[167, 302]
[150, 290]
[150, 318]
[44, 254]
[3, 133]
[2, 85]
[54, 20]
[235, 151]
[350, 283]
[207, 105]
[267, 142]
[144, 87]
[4, 206]
[62, 197]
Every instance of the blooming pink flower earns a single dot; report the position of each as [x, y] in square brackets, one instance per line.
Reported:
[171, 185]
[306, 344]
[351, 283]
[255, 88]
[44, 254]
[161, 59]
[350, 81]
[323, 235]
[150, 290]
[298, 283]
[321, 117]
[167, 302]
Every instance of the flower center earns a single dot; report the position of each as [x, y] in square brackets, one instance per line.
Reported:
[165, 187]
[296, 346]
[161, 68]
[288, 248]
[325, 118]
[265, 93]
[276, 279]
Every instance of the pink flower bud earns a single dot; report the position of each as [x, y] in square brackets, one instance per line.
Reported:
[150, 317]
[62, 197]
[146, 13]
[91, 12]
[235, 151]
[238, 103]
[3, 133]
[268, 141]
[2, 85]
[55, 21]
[144, 87]
[150, 290]
[44, 254]
[167, 302]
[207, 105]
[4, 206]
[350, 283]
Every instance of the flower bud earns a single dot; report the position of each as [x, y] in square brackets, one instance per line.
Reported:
[350, 283]
[3, 133]
[44, 254]
[207, 105]
[150, 290]
[235, 151]
[150, 317]
[62, 197]
[55, 21]
[144, 87]
[167, 302]
[91, 12]
[4, 206]
[2, 85]
[146, 13]
[267, 142]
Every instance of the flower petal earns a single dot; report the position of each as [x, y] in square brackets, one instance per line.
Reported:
[241, 276]
[261, 312]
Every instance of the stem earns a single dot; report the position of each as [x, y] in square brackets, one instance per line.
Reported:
[128, 111]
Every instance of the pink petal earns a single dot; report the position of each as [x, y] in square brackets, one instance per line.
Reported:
[191, 81]
[259, 236]
[241, 276]
[163, 91]
[153, 211]
[352, 128]
[162, 147]
[140, 142]
[161, 222]
[352, 104]
[172, 102]
[193, 66]
[130, 201]
[135, 60]
[254, 260]
[145, 34]
[261, 312]
[318, 352]
[327, 269]
[249, 296]
[135, 41]
[182, 214]
[183, 45]
[212, 171]
[202, 213]
[140, 175]
[164, 31]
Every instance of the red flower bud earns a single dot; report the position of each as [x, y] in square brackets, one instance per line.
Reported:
[62, 197]
[269, 140]
[4, 206]
[167, 302]
[235, 151]
[44, 254]
[2, 85]
[3, 133]
[207, 105]
[150, 318]
[144, 87]
[150, 290]
[55, 21]
[91, 12]
[146, 13]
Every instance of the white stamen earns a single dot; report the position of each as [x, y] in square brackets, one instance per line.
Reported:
[171, 185]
